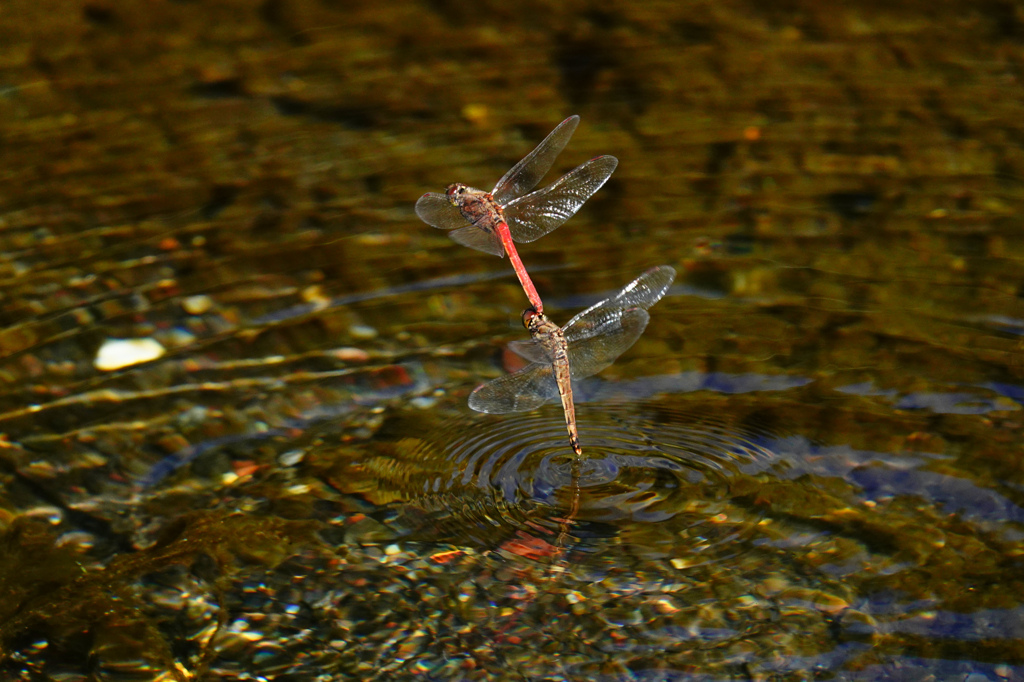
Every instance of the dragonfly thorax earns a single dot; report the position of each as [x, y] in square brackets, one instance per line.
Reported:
[476, 205]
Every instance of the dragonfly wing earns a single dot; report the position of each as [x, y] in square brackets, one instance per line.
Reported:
[605, 330]
[523, 391]
[642, 292]
[525, 175]
[530, 350]
[476, 238]
[533, 216]
[437, 211]
[592, 354]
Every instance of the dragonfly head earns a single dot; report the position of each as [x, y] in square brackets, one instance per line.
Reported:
[454, 191]
[532, 319]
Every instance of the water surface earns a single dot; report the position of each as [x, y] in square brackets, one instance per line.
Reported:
[808, 466]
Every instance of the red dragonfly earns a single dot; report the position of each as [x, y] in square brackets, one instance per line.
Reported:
[586, 345]
[508, 212]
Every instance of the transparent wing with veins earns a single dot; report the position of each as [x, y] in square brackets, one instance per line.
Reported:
[437, 210]
[526, 390]
[642, 292]
[594, 339]
[534, 215]
[476, 238]
[525, 175]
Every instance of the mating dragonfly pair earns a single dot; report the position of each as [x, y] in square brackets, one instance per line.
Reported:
[511, 212]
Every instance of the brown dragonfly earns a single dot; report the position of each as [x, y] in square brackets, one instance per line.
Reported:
[588, 343]
[511, 212]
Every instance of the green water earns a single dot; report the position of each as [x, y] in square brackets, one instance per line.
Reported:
[809, 466]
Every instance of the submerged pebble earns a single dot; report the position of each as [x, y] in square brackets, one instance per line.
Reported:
[362, 332]
[197, 305]
[119, 353]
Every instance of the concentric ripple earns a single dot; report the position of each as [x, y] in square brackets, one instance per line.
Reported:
[651, 477]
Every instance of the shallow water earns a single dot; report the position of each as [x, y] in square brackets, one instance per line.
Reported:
[809, 466]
